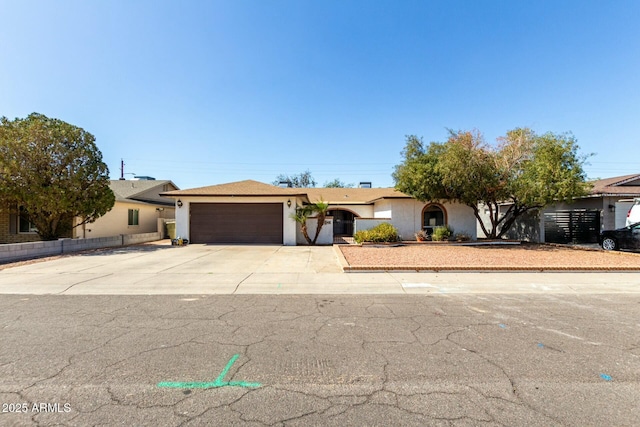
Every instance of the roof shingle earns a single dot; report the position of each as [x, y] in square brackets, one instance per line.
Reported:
[140, 190]
[255, 188]
[240, 188]
[627, 185]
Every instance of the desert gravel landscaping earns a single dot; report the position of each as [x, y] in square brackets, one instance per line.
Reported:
[504, 257]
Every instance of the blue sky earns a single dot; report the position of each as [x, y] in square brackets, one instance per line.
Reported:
[207, 92]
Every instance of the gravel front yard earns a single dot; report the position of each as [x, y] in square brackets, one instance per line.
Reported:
[508, 257]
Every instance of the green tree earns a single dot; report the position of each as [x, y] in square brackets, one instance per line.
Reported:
[336, 183]
[54, 171]
[524, 171]
[302, 180]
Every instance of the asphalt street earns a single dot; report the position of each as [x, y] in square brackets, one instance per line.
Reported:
[374, 360]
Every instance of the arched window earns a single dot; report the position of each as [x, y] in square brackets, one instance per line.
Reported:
[433, 215]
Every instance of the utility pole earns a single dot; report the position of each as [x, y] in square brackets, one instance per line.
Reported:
[122, 169]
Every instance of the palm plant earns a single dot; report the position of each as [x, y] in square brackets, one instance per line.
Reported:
[320, 208]
[303, 213]
[300, 216]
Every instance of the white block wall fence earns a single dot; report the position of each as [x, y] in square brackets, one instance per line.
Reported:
[22, 251]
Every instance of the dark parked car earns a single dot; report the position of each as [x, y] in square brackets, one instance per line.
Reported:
[623, 238]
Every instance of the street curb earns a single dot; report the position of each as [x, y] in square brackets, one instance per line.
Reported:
[341, 259]
[423, 269]
[347, 268]
[582, 248]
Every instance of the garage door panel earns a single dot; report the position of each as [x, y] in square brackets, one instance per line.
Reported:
[236, 222]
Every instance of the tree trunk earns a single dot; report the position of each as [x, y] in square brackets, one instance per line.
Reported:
[321, 217]
[303, 228]
[517, 212]
[476, 213]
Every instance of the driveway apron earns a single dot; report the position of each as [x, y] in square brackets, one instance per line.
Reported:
[158, 269]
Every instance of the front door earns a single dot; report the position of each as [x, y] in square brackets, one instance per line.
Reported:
[342, 222]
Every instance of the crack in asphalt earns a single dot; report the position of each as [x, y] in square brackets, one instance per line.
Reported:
[280, 325]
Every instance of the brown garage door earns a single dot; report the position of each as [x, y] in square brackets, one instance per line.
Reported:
[236, 223]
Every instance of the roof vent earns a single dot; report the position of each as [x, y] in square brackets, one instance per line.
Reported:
[144, 178]
[284, 184]
[366, 184]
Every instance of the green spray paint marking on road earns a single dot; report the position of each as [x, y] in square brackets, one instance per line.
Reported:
[215, 384]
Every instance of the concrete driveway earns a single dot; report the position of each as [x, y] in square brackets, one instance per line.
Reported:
[162, 269]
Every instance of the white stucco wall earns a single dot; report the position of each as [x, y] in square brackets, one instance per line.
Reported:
[406, 216]
[326, 232]
[363, 211]
[383, 213]
[383, 209]
[461, 219]
[115, 222]
[288, 224]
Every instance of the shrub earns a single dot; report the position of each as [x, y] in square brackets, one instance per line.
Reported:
[442, 233]
[422, 235]
[462, 237]
[384, 232]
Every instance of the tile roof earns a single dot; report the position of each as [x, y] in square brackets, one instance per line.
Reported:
[627, 185]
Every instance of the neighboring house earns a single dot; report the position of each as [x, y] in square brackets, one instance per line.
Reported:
[581, 221]
[138, 209]
[16, 228]
[254, 212]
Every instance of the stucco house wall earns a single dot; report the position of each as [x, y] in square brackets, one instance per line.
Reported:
[610, 196]
[116, 221]
[529, 227]
[367, 204]
[288, 226]
[608, 221]
[383, 209]
[461, 219]
[406, 216]
[326, 232]
[362, 211]
[142, 195]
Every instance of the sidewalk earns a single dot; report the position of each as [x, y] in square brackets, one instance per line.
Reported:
[383, 283]
[209, 269]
